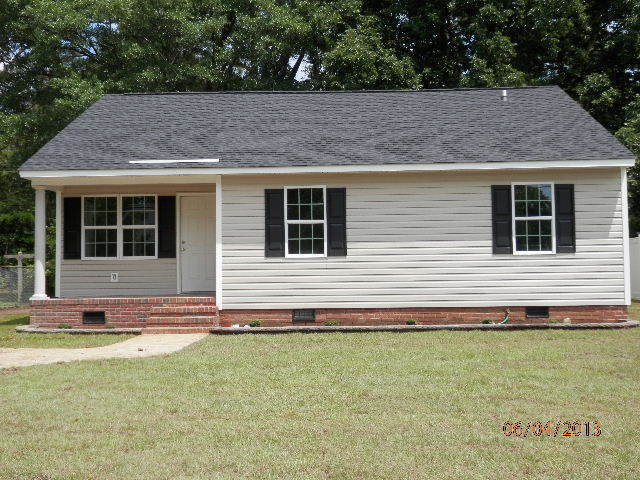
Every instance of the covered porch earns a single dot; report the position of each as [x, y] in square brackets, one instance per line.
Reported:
[130, 250]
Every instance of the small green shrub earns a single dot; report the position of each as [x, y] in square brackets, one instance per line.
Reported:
[487, 321]
[110, 327]
[255, 323]
[65, 325]
[331, 323]
[411, 322]
[553, 321]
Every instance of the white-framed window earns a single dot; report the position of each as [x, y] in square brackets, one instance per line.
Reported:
[533, 218]
[139, 226]
[305, 221]
[100, 227]
[119, 226]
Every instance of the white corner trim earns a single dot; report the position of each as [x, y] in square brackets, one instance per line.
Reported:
[433, 167]
[197, 160]
[625, 237]
[219, 299]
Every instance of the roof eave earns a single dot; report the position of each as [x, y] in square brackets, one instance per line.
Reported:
[520, 165]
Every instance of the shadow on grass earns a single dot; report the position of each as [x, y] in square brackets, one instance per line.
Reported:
[17, 320]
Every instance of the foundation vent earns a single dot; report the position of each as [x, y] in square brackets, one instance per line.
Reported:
[93, 318]
[304, 315]
[536, 312]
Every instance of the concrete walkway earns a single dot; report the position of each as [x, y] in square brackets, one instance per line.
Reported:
[137, 347]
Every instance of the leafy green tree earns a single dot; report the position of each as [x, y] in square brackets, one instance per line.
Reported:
[359, 60]
[59, 56]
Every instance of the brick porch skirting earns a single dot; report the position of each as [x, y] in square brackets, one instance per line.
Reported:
[129, 312]
[429, 316]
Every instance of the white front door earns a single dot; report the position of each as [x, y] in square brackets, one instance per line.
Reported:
[197, 243]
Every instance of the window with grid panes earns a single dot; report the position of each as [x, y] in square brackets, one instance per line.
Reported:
[305, 221]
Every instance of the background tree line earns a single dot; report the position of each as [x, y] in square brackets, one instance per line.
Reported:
[59, 56]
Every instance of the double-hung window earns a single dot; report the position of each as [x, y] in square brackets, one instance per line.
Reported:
[533, 218]
[139, 226]
[305, 222]
[119, 226]
[100, 227]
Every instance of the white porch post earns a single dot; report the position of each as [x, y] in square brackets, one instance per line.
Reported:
[58, 242]
[39, 284]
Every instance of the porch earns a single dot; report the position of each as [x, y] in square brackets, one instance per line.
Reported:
[133, 223]
[133, 251]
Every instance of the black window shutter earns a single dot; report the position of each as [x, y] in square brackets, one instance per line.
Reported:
[167, 227]
[336, 222]
[501, 218]
[72, 228]
[565, 219]
[274, 223]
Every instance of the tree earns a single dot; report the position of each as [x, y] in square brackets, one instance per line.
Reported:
[58, 56]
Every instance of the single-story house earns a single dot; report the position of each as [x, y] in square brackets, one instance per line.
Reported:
[362, 207]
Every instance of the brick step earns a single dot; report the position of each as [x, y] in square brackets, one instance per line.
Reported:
[169, 310]
[188, 329]
[185, 300]
[184, 319]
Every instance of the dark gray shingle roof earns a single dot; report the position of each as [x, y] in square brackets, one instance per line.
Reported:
[257, 129]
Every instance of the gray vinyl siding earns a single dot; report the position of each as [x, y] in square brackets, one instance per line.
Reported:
[424, 239]
[91, 278]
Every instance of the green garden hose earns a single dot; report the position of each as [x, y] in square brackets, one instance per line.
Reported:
[506, 318]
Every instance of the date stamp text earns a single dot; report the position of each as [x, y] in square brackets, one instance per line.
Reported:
[552, 429]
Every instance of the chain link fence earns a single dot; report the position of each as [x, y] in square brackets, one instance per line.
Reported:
[16, 285]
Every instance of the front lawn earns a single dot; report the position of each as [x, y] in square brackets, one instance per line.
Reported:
[331, 406]
[9, 338]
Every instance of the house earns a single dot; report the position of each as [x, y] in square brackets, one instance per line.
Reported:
[363, 207]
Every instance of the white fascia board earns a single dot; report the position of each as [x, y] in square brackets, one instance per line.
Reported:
[433, 167]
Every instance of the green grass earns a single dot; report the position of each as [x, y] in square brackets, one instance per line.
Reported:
[9, 338]
[331, 406]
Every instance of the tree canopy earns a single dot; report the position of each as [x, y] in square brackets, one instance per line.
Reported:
[59, 56]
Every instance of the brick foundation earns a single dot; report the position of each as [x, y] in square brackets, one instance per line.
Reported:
[428, 316]
[137, 312]
[129, 312]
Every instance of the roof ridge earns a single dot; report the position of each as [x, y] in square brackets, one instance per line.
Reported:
[302, 92]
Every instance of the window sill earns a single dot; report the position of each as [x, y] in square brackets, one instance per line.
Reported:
[533, 253]
[118, 258]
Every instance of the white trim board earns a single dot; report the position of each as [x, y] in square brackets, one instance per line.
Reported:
[41, 174]
[625, 237]
[219, 300]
